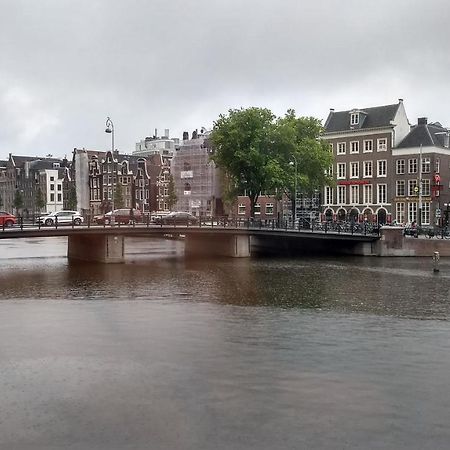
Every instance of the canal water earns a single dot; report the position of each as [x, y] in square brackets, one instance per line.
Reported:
[167, 353]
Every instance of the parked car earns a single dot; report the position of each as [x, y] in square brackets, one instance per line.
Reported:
[6, 219]
[177, 218]
[62, 218]
[123, 215]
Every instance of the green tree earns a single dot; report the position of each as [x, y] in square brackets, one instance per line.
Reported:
[72, 198]
[244, 149]
[302, 152]
[118, 197]
[18, 200]
[40, 201]
[172, 196]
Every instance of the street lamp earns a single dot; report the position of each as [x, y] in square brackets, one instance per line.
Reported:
[110, 129]
[295, 187]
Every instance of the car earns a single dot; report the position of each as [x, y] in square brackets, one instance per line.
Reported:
[124, 215]
[63, 217]
[7, 219]
[177, 218]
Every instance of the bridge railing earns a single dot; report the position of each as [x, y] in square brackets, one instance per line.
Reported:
[217, 222]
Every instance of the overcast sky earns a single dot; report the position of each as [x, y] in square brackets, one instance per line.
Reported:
[65, 65]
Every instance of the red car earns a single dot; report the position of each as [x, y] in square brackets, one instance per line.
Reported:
[6, 219]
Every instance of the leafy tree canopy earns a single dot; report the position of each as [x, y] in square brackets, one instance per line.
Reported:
[262, 153]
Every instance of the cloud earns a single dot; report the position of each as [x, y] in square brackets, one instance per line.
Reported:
[158, 64]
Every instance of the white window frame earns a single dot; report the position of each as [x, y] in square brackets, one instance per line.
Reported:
[398, 190]
[381, 168]
[354, 169]
[341, 171]
[425, 213]
[354, 194]
[241, 209]
[426, 187]
[400, 212]
[368, 169]
[269, 209]
[400, 166]
[368, 143]
[368, 194]
[412, 165]
[341, 148]
[342, 195]
[412, 184]
[412, 212]
[328, 195]
[380, 146]
[354, 118]
[426, 165]
[381, 193]
[354, 147]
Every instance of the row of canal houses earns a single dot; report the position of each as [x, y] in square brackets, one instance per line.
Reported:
[91, 179]
[386, 170]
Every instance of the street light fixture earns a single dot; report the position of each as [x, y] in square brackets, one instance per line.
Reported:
[295, 187]
[110, 129]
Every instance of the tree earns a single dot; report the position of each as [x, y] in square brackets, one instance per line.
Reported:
[172, 196]
[244, 148]
[40, 201]
[302, 153]
[118, 197]
[18, 200]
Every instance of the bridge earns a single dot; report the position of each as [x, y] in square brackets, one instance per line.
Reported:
[235, 238]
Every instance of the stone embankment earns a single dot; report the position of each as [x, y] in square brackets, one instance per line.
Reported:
[394, 243]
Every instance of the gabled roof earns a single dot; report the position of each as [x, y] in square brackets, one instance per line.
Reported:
[375, 117]
[425, 134]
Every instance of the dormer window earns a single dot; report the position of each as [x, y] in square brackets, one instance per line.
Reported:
[354, 118]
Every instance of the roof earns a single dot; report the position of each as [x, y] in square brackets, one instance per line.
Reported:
[375, 117]
[425, 134]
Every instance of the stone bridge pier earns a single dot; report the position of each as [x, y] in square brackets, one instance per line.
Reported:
[217, 244]
[105, 248]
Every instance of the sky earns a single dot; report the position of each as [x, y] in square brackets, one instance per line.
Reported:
[66, 65]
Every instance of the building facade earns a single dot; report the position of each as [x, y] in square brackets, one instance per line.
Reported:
[362, 142]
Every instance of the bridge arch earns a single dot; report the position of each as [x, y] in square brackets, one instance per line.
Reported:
[353, 214]
[368, 215]
[328, 214]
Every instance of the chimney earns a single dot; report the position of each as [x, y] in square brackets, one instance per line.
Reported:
[185, 135]
[400, 100]
[422, 121]
[166, 133]
[156, 133]
[331, 110]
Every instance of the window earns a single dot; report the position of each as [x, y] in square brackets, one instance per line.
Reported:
[52, 187]
[328, 195]
[257, 210]
[52, 197]
[341, 171]
[426, 165]
[412, 187]
[341, 148]
[354, 118]
[59, 197]
[241, 209]
[367, 194]
[412, 165]
[368, 146]
[426, 213]
[331, 147]
[381, 168]
[412, 212]
[400, 188]
[426, 191]
[381, 145]
[381, 193]
[400, 166]
[437, 165]
[354, 195]
[59, 186]
[269, 209]
[187, 189]
[354, 170]
[329, 171]
[354, 147]
[367, 169]
[400, 212]
[341, 191]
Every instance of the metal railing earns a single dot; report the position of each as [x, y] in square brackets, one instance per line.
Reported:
[213, 223]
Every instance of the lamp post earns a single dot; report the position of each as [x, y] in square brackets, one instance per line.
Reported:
[110, 129]
[295, 187]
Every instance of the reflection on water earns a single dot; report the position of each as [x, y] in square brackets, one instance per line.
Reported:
[163, 352]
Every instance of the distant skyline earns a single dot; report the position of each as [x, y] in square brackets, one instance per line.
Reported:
[66, 65]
